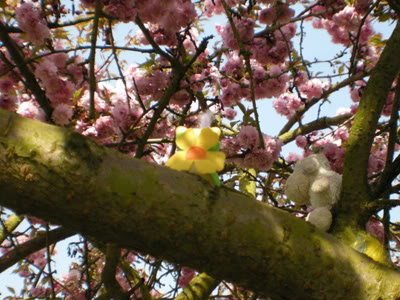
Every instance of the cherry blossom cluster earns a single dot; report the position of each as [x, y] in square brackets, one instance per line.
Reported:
[287, 104]
[345, 25]
[30, 20]
[59, 90]
[267, 83]
[281, 13]
[357, 90]
[164, 18]
[246, 152]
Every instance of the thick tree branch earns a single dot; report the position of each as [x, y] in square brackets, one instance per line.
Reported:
[365, 122]
[387, 177]
[62, 177]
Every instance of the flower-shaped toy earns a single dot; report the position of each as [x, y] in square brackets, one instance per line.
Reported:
[198, 151]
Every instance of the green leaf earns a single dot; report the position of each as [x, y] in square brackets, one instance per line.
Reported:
[77, 94]
[247, 184]
[341, 69]
[11, 290]
[384, 17]
[215, 148]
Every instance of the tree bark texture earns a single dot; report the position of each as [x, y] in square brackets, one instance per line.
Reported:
[67, 179]
[355, 187]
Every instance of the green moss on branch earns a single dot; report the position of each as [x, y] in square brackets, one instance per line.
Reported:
[355, 187]
[59, 176]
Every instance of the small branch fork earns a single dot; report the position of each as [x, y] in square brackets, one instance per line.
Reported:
[178, 70]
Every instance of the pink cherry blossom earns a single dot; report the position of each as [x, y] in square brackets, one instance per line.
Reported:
[292, 157]
[313, 88]
[62, 114]
[375, 228]
[229, 113]
[30, 109]
[30, 21]
[187, 275]
[248, 137]
[287, 104]
[301, 141]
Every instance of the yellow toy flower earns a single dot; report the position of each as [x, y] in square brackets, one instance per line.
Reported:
[198, 150]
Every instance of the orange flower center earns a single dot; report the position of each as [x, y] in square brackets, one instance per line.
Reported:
[196, 153]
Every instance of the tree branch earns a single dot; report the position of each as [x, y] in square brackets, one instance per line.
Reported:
[155, 46]
[30, 80]
[10, 224]
[114, 290]
[314, 101]
[62, 177]
[199, 288]
[314, 125]
[395, 6]
[391, 170]
[39, 242]
[92, 60]
[173, 86]
[355, 187]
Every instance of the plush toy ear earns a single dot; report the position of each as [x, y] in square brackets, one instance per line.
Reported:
[321, 218]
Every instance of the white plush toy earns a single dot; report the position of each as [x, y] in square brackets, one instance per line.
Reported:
[314, 183]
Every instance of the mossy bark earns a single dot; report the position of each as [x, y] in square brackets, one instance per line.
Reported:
[62, 177]
[356, 193]
[357, 199]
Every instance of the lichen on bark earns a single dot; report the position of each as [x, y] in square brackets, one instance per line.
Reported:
[179, 217]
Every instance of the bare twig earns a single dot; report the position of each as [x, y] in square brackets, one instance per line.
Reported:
[324, 95]
[39, 242]
[92, 59]
[246, 55]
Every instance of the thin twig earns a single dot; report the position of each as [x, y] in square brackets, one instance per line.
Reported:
[324, 95]
[92, 59]
[30, 80]
[246, 54]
